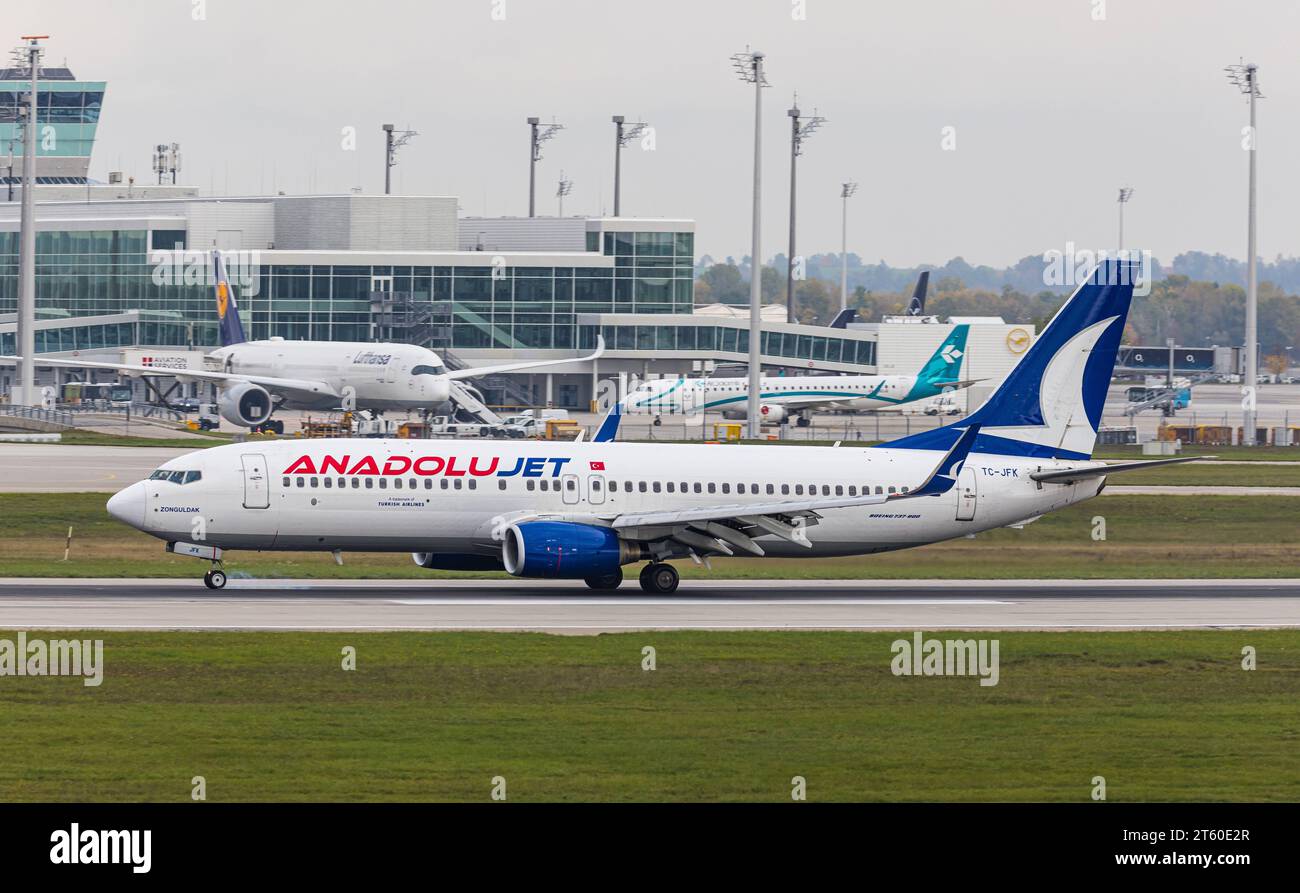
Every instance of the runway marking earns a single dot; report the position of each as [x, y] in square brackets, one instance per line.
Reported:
[687, 602]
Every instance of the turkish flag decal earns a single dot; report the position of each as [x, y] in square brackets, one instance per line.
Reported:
[597, 466]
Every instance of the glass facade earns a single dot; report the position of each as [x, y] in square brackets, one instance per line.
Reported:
[730, 339]
[146, 331]
[70, 108]
[87, 273]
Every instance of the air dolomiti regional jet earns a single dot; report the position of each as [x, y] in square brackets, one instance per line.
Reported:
[787, 395]
[584, 510]
[257, 377]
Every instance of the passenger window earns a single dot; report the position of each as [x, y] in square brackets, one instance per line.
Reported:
[383, 483]
[370, 483]
[473, 484]
[713, 488]
[501, 484]
[697, 488]
[798, 489]
[826, 489]
[905, 489]
[428, 483]
[356, 483]
[329, 482]
[445, 485]
[641, 486]
[397, 483]
[726, 488]
[530, 485]
[891, 489]
[670, 486]
[839, 489]
[459, 484]
[879, 490]
[343, 482]
[286, 482]
[570, 485]
[302, 482]
[740, 488]
[785, 489]
[545, 485]
[853, 490]
[770, 489]
[655, 486]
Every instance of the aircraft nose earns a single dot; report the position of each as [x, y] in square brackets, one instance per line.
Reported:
[128, 505]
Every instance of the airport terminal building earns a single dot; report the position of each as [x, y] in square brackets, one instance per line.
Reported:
[123, 268]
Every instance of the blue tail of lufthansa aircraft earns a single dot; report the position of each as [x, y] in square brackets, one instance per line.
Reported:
[1049, 405]
[232, 330]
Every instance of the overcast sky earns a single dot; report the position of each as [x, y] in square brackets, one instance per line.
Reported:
[1053, 110]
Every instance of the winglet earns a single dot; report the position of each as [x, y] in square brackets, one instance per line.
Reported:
[608, 429]
[944, 476]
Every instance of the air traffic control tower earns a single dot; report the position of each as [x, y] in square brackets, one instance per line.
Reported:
[67, 114]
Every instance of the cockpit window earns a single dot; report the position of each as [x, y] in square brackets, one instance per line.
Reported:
[176, 477]
[425, 369]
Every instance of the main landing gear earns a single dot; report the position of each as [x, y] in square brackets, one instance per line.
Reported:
[659, 578]
[215, 578]
[606, 582]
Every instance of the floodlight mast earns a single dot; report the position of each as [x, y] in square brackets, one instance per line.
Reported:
[800, 130]
[28, 57]
[564, 188]
[1125, 193]
[749, 66]
[1245, 77]
[537, 137]
[623, 135]
[846, 193]
[393, 140]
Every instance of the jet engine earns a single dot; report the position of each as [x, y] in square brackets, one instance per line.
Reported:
[768, 413]
[245, 404]
[565, 550]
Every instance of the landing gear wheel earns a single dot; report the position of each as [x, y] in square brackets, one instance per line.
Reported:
[608, 581]
[803, 422]
[214, 579]
[659, 578]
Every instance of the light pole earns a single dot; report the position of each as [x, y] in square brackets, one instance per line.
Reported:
[393, 140]
[1125, 193]
[749, 65]
[564, 188]
[1245, 77]
[846, 193]
[538, 136]
[798, 133]
[623, 134]
[25, 388]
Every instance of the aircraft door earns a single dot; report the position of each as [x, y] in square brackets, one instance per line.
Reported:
[572, 489]
[257, 494]
[966, 494]
[595, 488]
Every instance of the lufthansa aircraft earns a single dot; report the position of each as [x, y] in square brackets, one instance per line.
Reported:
[257, 377]
[791, 395]
[584, 510]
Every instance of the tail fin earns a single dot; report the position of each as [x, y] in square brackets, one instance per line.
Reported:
[944, 367]
[232, 329]
[843, 318]
[608, 429]
[1050, 404]
[916, 307]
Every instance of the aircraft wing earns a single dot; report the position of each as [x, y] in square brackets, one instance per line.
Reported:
[1070, 475]
[717, 528]
[295, 386]
[532, 364]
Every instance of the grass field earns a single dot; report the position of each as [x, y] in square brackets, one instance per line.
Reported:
[196, 441]
[724, 716]
[1146, 536]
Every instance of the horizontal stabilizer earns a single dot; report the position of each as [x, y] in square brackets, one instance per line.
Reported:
[1067, 475]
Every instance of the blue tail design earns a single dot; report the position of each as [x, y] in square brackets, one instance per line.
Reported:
[1049, 405]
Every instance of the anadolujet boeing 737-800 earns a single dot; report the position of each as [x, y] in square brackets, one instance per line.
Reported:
[583, 511]
[255, 378]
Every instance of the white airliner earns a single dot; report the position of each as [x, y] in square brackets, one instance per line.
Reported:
[257, 377]
[796, 395]
[584, 510]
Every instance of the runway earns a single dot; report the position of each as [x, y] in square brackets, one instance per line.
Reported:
[562, 607]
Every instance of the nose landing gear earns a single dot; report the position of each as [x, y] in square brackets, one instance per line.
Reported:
[659, 578]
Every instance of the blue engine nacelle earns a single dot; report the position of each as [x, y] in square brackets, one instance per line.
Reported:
[565, 550]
